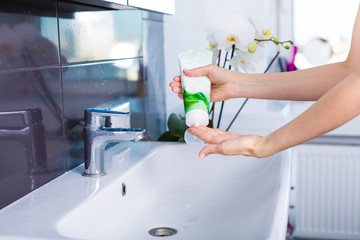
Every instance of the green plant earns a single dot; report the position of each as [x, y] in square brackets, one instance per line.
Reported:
[177, 128]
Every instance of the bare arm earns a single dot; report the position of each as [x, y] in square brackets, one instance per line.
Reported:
[338, 106]
[303, 85]
[306, 85]
[338, 102]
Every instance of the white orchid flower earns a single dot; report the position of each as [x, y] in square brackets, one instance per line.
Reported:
[215, 35]
[235, 30]
[212, 42]
[213, 46]
[246, 36]
[239, 32]
[263, 32]
[220, 38]
[243, 61]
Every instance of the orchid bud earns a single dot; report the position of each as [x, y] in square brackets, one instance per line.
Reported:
[252, 47]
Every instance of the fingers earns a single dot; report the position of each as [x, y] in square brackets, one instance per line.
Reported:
[177, 78]
[176, 86]
[175, 83]
[177, 90]
[210, 149]
[220, 142]
[211, 136]
[206, 134]
[198, 72]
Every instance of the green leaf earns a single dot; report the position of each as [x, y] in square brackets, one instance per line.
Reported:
[177, 126]
[168, 137]
[211, 124]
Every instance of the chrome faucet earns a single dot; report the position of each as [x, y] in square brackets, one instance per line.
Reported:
[103, 127]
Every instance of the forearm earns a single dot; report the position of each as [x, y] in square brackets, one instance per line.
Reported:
[303, 85]
[336, 107]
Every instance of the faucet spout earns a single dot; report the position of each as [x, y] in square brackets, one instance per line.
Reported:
[98, 133]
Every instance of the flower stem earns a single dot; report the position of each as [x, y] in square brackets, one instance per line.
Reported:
[275, 41]
[219, 58]
[223, 102]
[225, 59]
[242, 106]
[232, 54]
[212, 111]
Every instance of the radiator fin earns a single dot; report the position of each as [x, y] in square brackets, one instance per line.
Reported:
[327, 202]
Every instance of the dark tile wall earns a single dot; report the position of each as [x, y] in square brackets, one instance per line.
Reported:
[58, 58]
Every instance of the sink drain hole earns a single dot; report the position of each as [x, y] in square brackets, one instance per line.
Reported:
[162, 232]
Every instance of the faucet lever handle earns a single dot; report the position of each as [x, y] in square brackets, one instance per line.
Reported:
[98, 118]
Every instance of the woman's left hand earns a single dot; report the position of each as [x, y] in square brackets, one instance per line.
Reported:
[225, 143]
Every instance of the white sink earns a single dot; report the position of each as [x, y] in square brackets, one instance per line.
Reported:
[167, 185]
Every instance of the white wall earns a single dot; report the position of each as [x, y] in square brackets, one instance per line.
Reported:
[186, 30]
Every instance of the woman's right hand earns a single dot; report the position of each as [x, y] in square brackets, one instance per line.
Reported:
[222, 87]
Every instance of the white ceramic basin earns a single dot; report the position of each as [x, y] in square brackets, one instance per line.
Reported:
[167, 186]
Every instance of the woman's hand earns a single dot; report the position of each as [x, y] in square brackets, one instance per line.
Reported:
[222, 87]
[225, 143]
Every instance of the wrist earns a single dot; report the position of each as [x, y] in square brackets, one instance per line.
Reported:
[263, 147]
[239, 85]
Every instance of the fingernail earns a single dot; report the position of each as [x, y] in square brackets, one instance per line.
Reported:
[202, 155]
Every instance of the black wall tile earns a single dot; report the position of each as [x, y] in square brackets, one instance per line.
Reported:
[31, 131]
[93, 34]
[28, 39]
[43, 96]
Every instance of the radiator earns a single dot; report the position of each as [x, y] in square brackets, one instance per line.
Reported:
[326, 191]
